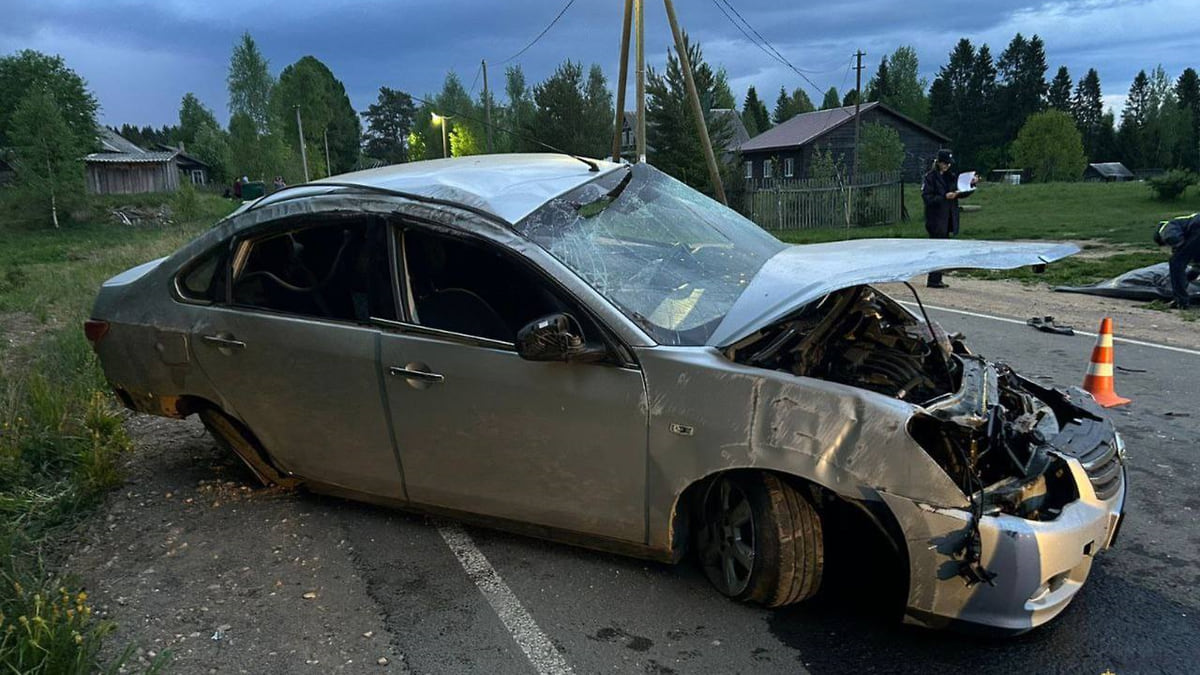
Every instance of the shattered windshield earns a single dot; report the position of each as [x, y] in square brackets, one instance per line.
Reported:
[671, 259]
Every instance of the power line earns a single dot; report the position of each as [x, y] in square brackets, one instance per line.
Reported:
[539, 35]
[768, 46]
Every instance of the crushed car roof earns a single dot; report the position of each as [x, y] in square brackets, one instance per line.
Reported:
[507, 186]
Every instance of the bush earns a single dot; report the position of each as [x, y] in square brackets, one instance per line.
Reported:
[1049, 145]
[1172, 184]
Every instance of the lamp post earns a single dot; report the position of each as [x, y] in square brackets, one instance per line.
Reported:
[441, 121]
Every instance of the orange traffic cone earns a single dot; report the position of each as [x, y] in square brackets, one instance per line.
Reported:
[1099, 379]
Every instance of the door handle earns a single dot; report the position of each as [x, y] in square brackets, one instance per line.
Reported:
[222, 341]
[413, 374]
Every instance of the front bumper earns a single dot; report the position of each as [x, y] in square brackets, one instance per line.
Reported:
[1039, 565]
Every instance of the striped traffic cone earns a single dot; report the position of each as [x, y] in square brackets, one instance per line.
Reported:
[1099, 379]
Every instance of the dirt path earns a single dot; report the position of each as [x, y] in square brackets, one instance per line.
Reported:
[1021, 301]
[193, 557]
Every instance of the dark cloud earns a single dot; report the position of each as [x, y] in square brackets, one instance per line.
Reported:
[141, 56]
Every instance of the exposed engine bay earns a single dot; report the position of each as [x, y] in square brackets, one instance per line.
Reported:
[1002, 438]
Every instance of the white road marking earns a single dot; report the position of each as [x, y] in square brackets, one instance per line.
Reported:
[1005, 319]
[538, 648]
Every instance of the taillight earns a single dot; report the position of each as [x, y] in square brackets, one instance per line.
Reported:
[94, 330]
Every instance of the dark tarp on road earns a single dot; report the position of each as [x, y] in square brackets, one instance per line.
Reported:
[1146, 283]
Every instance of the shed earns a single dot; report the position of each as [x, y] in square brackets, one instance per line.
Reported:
[786, 150]
[1107, 172]
[115, 173]
[191, 169]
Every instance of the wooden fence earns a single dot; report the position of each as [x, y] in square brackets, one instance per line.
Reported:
[797, 204]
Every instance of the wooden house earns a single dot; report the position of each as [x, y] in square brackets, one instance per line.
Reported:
[786, 150]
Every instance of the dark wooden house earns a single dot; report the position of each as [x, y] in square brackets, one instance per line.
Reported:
[121, 167]
[191, 169]
[786, 150]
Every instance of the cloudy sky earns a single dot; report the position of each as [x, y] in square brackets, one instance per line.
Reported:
[141, 56]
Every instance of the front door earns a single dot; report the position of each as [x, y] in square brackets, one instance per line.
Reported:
[484, 431]
[293, 353]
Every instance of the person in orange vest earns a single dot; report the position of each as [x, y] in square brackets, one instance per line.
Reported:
[1183, 236]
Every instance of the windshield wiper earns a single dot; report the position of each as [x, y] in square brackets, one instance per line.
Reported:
[597, 206]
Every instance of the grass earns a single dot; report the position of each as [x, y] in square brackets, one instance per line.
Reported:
[61, 432]
[1112, 221]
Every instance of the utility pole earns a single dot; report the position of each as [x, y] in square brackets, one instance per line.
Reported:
[640, 10]
[328, 166]
[854, 165]
[303, 151]
[619, 121]
[714, 174]
[487, 107]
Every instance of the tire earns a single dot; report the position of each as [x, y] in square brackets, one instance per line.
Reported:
[236, 438]
[760, 540]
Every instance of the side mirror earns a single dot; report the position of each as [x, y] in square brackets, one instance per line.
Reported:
[556, 337]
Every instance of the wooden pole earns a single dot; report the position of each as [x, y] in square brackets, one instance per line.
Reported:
[487, 108]
[303, 151]
[328, 164]
[640, 10]
[714, 173]
[623, 72]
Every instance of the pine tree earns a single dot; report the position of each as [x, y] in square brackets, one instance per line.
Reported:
[1022, 74]
[879, 88]
[1059, 96]
[831, 100]
[754, 114]
[1132, 135]
[906, 86]
[1087, 107]
[722, 96]
[1187, 92]
[389, 121]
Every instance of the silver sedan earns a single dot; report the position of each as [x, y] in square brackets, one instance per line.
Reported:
[595, 353]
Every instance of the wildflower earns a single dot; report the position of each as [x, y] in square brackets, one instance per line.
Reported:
[78, 638]
[83, 596]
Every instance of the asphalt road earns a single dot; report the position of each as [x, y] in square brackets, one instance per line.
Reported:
[439, 612]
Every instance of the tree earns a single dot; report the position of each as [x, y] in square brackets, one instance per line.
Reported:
[202, 137]
[1187, 92]
[1132, 135]
[831, 100]
[850, 98]
[670, 122]
[1051, 147]
[1059, 96]
[788, 106]
[45, 152]
[907, 88]
[463, 141]
[389, 121]
[518, 114]
[250, 83]
[1087, 106]
[962, 104]
[1168, 125]
[571, 114]
[1022, 76]
[722, 94]
[754, 113]
[28, 71]
[325, 111]
[880, 88]
[598, 113]
[880, 149]
[193, 116]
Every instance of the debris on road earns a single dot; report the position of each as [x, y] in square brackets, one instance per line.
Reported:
[1046, 325]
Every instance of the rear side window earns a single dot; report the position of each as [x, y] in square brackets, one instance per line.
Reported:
[337, 270]
[199, 280]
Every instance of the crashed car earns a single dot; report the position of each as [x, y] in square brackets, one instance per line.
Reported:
[595, 353]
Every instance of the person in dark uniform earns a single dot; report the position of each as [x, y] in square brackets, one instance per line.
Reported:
[939, 191]
[1183, 236]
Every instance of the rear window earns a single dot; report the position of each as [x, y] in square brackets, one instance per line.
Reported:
[198, 281]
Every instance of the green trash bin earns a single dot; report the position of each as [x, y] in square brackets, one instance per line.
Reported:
[253, 190]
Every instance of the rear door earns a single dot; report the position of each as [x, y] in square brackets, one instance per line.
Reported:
[293, 352]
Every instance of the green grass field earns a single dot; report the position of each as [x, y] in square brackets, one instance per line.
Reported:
[1113, 222]
[61, 432]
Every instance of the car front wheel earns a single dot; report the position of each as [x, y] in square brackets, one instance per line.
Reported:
[759, 540]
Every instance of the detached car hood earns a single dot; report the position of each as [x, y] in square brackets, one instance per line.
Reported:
[800, 274]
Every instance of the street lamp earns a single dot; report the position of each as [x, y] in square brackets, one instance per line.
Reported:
[441, 120]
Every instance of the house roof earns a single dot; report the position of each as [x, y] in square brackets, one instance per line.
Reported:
[807, 127]
[510, 186]
[1111, 169]
[739, 135]
[129, 157]
[111, 141]
[180, 155]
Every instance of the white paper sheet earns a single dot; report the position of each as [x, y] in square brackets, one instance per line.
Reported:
[964, 181]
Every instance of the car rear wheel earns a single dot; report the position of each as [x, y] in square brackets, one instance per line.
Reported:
[759, 540]
[236, 438]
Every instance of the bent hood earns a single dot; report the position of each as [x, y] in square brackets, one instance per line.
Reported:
[800, 274]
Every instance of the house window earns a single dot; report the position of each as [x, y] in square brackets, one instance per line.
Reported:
[197, 177]
[749, 170]
[767, 168]
[789, 167]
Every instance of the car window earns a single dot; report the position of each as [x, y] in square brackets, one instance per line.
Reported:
[474, 289]
[198, 281]
[331, 270]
